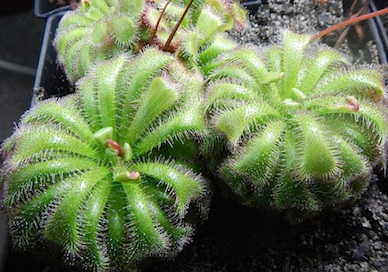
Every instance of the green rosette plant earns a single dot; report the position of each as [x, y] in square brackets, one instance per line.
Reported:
[97, 30]
[105, 174]
[102, 29]
[296, 128]
[194, 30]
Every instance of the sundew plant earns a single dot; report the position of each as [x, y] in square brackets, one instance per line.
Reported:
[303, 128]
[113, 176]
[102, 174]
[102, 29]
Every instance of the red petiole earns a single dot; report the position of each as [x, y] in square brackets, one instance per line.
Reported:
[167, 44]
[349, 22]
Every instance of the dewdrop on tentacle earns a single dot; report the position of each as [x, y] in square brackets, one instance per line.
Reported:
[94, 178]
[303, 129]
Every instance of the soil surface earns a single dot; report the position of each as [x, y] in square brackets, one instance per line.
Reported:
[236, 238]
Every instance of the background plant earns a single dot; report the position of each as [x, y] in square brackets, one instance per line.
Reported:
[102, 29]
[102, 174]
[302, 127]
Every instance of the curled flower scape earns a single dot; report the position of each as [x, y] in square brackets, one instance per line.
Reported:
[105, 175]
[302, 128]
[101, 29]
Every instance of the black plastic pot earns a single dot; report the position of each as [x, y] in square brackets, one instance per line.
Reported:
[3, 240]
[379, 28]
[10, 7]
[50, 80]
[44, 9]
[251, 5]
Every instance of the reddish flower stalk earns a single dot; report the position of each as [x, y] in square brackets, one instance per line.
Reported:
[158, 22]
[349, 22]
[167, 44]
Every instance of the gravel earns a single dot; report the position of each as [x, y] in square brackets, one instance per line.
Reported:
[308, 17]
[302, 16]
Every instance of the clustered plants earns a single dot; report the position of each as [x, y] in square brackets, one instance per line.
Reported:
[100, 30]
[111, 176]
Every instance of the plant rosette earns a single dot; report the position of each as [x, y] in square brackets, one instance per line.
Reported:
[105, 174]
[101, 29]
[301, 127]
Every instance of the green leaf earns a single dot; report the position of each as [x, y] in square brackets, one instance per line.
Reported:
[295, 197]
[88, 102]
[318, 159]
[72, 20]
[257, 159]
[324, 62]
[83, 60]
[220, 44]
[63, 114]
[99, 35]
[184, 184]
[33, 142]
[147, 235]
[28, 217]
[294, 46]
[363, 83]
[234, 122]
[372, 118]
[179, 233]
[136, 78]
[207, 24]
[160, 96]
[246, 58]
[186, 122]
[38, 176]
[275, 56]
[100, 5]
[133, 7]
[123, 30]
[116, 229]
[219, 92]
[63, 225]
[234, 72]
[93, 209]
[107, 75]
[352, 163]
[63, 42]
[70, 63]
[359, 135]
